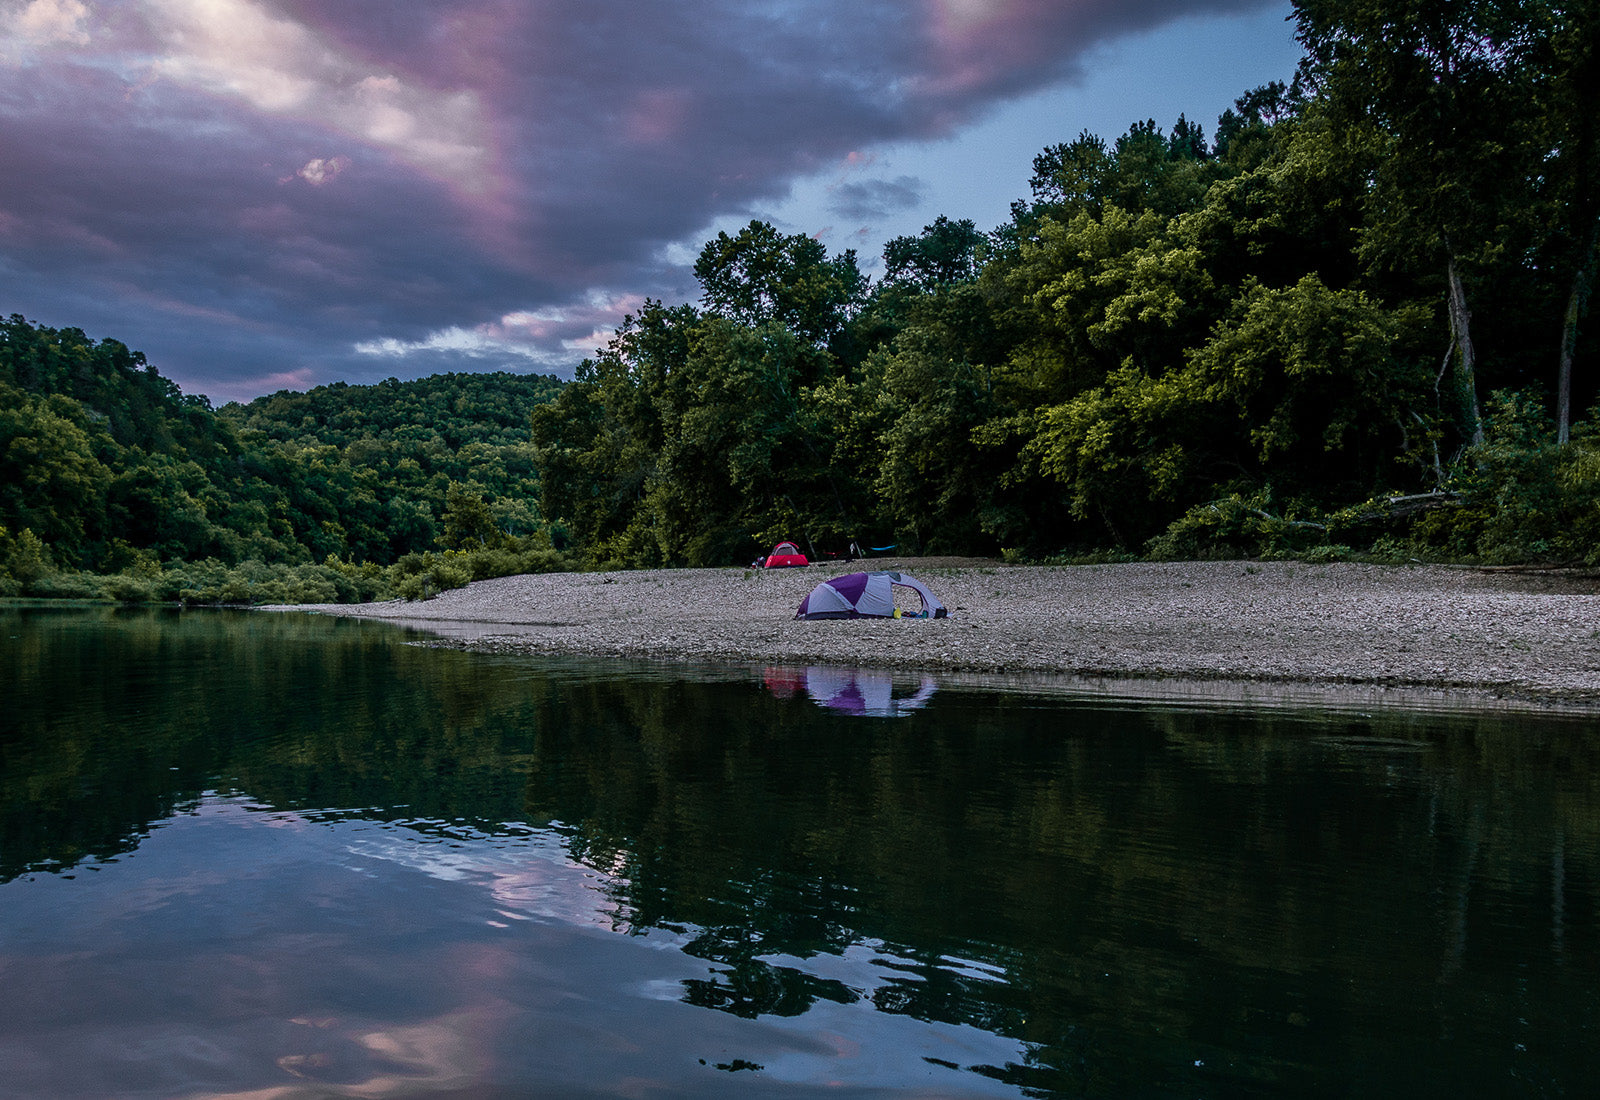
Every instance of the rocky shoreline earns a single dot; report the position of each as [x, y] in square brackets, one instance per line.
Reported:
[1441, 634]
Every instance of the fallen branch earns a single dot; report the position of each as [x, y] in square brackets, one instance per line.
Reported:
[1216, 506]
[1410, 505]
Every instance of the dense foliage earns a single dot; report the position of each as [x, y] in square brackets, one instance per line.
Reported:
[113, 483]
[1350, 320]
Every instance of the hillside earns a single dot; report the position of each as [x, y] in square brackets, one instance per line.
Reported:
[106, 466]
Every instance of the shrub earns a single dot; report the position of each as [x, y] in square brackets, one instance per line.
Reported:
[1236, 527]
[423, 576]
[24, 561]
[68, 586]
[1523, 497]
[128, 588]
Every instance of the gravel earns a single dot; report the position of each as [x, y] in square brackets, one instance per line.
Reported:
[1450, 635]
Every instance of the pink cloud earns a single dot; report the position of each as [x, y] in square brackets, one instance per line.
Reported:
[60, 22]
[550, 338]
[979, 44]
[246, 389]
[253, 53]
[577, 327]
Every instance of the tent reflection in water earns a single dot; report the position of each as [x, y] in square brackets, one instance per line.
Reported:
[866, 692]
[867, 596]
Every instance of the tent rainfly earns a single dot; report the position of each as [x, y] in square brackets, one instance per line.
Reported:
[783, 555]
[866, 596]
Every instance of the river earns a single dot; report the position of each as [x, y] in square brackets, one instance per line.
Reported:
[294, 856]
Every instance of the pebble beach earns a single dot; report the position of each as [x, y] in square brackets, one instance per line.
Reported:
[1247, 630]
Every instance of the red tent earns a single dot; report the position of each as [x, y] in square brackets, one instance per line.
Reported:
[784, 554]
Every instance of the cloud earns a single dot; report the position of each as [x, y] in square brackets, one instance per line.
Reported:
[49, 22]
[867, 200]
[243, 389]
[273, 64]
[474, 343]
[320, 170]
[334, 175]
[552, 339]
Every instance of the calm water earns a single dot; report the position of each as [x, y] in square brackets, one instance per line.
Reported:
[297, 857]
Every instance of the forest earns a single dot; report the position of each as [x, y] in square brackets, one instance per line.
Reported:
[1351, 321]
[114, 484]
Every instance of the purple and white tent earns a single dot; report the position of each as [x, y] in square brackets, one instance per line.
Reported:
[866, 596]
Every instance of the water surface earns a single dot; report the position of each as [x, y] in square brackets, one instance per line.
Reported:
[296, 856]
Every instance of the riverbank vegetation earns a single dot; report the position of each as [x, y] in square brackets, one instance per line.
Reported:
[1350, 320]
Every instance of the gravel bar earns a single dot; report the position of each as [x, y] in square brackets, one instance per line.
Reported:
[1454, 635]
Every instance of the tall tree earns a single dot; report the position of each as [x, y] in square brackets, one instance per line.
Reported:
[1142, 170]
[598, 445]
[1075, 174]
[1442, 81]
[52, 481]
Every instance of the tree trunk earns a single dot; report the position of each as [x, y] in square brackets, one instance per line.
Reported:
[1569, 337]
[1466, 358]
[1569, 333]
[1580, 85]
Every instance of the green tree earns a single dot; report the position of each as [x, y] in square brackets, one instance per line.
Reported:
[24, 559]
[1118, 448]
[740, 457]
[1242, 128]
[934, 483]
[157, 503]
[467, 520]
[943, 253]
[1142, 170]
[597, 446]
[1329, 388]
[52, 480]
[1092, 291]
[760, 275]
[1565, 52]
[1075, 176]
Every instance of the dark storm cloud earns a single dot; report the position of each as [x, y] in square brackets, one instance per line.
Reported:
[263, 192]
[865, 200]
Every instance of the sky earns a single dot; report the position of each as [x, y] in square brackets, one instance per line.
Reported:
[277, 194]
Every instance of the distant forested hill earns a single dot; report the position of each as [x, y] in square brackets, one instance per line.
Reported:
[452, 409]
[405, 463]
[106, 466]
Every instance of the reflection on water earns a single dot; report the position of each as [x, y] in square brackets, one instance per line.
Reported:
[290, 856]
[864, 692]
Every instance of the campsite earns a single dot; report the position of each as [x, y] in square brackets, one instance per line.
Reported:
[1247, 628]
